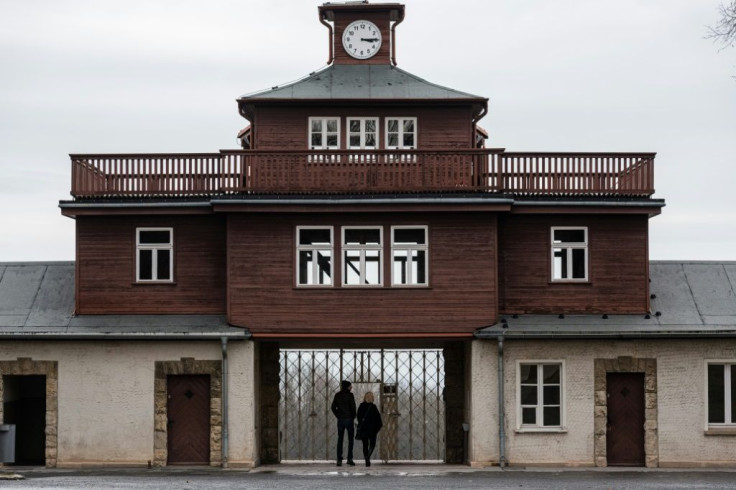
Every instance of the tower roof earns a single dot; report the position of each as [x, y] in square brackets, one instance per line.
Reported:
[358, 82]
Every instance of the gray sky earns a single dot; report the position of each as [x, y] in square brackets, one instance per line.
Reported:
[92, 76]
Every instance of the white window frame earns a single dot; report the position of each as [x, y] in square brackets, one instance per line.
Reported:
[362, 133]
[539, 427]
[154, 247]
[324, 120]
[410, 264]
[730, 371]
[400, 145]
[315, 261]
[362, 248]
[569, 247]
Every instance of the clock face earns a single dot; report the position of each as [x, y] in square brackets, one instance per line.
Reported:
[361, 39]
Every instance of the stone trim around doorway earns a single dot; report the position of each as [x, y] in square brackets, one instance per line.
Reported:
[25, 366]
[187, 366]
[626, 365]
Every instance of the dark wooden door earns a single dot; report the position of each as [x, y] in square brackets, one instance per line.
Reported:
[625, 429]
[188, 428]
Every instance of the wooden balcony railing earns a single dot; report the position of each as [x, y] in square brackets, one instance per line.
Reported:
[362, 172]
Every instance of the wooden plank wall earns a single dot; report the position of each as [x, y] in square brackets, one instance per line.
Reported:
[286, 127]
[460, 299]
[618, 265]
[106, 266]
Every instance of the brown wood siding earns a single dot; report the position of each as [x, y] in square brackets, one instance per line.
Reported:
[617, 269]
[106, 266]
[460, 298]
[287, 127]
[381, 19]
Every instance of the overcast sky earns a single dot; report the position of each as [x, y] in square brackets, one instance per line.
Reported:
[98, 76]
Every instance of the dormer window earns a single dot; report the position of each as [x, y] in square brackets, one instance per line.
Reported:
[154, 254]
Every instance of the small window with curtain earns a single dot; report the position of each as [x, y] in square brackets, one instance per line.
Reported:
[409, 251]
[314, 256]
[569, 253]
[539, 395]
[154, 254]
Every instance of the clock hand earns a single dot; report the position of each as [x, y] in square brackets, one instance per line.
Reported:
[370, 40]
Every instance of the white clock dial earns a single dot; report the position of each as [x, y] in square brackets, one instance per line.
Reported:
[361, 39]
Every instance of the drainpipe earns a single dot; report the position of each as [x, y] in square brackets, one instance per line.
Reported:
[501, 417]
[224, 403]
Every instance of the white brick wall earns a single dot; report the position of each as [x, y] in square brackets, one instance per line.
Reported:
[681, 401]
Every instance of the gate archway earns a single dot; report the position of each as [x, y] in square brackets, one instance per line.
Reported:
[407, 385]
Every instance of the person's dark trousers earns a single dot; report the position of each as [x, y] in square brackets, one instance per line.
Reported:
[369, 444]
[342, 425]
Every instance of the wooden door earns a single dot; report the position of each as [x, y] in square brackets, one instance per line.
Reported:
[625, 428]
[188, 428]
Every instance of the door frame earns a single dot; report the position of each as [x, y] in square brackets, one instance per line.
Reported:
[626, 364]
[25, 366]
[188, 366]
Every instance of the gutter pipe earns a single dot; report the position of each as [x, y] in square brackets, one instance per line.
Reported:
[501, 414]
[224, 403]
[331, 56]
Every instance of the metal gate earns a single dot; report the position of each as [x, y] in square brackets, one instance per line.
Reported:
[407, 385]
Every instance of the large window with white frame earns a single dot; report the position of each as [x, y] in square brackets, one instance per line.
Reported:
[361, 250]
[362, 133]
[401, 133]
[539, 395]
[721, 385]
[409, 250]
[314, 246]
[569, 253]
[154, 254]
[324, 133]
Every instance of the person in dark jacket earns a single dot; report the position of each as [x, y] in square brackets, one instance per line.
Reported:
[369, 423]
[343, 406]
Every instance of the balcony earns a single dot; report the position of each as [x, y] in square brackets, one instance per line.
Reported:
[362, 172]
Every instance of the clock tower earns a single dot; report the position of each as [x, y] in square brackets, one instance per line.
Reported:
[362, 33]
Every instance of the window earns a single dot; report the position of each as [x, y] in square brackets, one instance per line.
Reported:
[409, 255]
[324, 133]
[361, 248]
[362, 133]
[539, 395]
[154, 254]
[314, 256]
[569, 253]
[401, 133]
[721, 393]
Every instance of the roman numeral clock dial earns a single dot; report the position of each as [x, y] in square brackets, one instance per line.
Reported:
[361, 39]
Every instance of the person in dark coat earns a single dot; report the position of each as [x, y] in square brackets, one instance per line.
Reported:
[343, 406]
[369, 423]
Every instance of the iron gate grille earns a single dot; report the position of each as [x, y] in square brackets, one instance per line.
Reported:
[407, 385]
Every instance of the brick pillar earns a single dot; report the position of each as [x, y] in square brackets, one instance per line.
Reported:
[454, 397]
[269, 402]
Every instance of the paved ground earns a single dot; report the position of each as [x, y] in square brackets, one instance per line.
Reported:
[323, 477]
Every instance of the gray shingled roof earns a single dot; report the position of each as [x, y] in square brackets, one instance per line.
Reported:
[690, 299]
[377, 82]
[37, 301]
